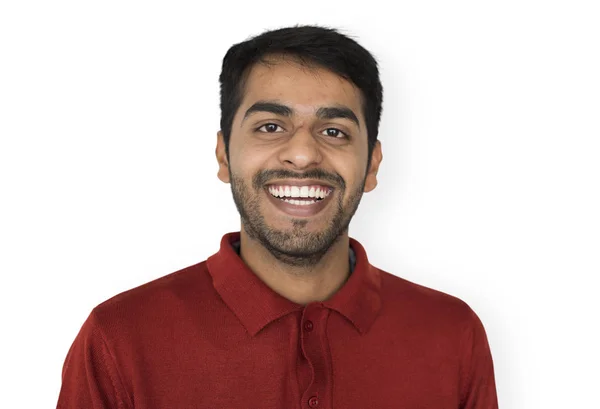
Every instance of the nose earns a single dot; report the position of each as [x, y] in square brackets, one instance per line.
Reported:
[301, 150]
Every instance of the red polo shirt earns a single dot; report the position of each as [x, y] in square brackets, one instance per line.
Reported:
[213, 335]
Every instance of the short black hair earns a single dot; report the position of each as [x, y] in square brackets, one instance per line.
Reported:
[310, 45]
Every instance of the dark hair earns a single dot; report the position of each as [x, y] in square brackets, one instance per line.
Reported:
[310, 45]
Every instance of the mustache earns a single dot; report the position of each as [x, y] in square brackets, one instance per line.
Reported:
[263, 177]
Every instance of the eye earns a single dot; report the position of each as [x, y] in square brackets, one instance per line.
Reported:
[334, 133]
[269, 128]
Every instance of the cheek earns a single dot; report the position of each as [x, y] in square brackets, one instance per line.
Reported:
[246, 160]
[351, 169]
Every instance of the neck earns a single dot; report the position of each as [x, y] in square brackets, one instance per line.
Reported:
[299, 284]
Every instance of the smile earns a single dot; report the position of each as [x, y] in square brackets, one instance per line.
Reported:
[300, 195]
[299, 201]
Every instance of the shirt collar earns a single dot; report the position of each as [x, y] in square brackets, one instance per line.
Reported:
[256, 305]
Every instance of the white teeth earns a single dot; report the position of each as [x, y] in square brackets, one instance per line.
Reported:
[323, 193]
[299, 192]
[300, 202]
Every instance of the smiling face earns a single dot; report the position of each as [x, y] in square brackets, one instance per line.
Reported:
[297, 159]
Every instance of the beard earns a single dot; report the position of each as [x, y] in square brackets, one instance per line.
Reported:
[294, 246]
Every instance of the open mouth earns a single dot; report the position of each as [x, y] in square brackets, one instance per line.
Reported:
[300, 195]
[299, 201]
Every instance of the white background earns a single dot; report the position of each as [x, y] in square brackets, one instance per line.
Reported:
[489, 188]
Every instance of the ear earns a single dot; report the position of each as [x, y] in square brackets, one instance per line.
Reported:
[223, 172]
[376, 157]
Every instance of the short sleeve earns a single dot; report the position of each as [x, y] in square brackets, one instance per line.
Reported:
[89, 377]
[478, 388]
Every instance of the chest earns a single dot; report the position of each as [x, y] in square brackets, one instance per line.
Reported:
[318, 363]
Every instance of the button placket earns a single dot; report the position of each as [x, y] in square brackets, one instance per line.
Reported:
[316, 351]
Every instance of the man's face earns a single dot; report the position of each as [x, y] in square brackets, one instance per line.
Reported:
[297, 159]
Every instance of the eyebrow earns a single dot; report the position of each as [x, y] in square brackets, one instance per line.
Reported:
[272, 107]
[338, 112]
[283, 110]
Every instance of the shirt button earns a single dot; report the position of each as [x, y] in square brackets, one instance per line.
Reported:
[308, 326]
[313, 402]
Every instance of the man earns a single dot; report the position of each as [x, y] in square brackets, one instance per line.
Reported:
[289, 313]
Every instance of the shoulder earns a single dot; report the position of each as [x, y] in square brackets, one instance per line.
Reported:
[157, 300]
[407, 298]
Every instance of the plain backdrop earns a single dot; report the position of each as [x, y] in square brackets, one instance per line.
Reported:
[489, 189]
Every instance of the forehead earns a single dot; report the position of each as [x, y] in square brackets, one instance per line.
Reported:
[303, 88]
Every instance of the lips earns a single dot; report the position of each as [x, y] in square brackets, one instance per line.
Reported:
[299, 201]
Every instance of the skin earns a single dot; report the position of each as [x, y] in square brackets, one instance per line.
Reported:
[304, 259]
